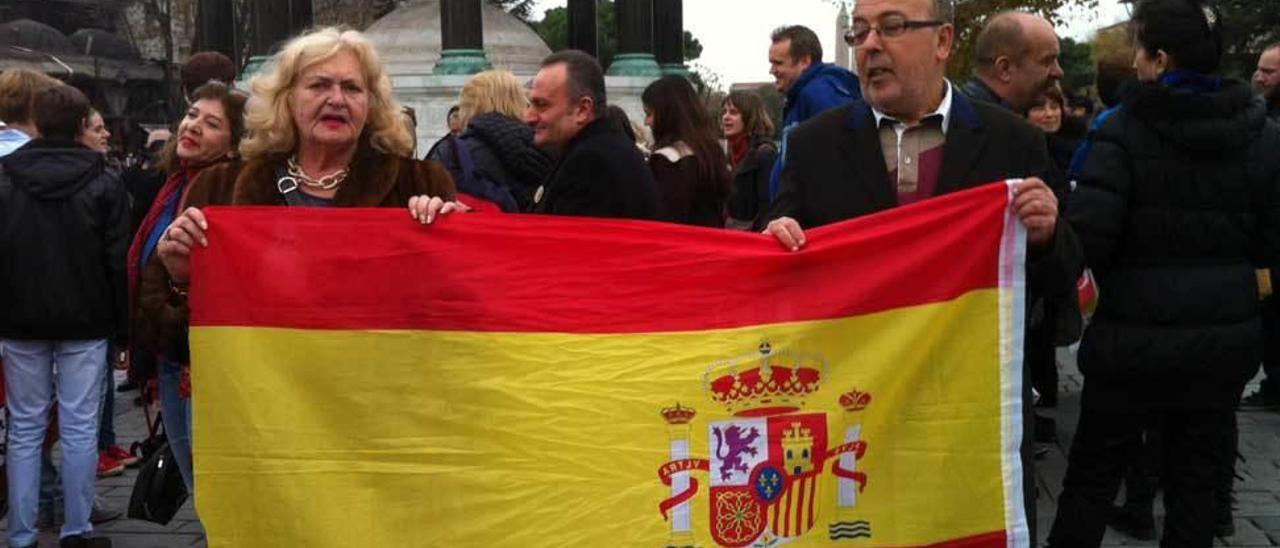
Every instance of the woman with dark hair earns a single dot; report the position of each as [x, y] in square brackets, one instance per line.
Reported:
[1063, 130]
[207, 135]
[624, 124]
[689, 168]
[749, 133]
[1177, 204]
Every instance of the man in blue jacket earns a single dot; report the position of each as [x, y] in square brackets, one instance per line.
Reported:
[811, 86]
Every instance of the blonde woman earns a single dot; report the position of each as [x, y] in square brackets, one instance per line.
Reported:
[322, 131]
[494, 162]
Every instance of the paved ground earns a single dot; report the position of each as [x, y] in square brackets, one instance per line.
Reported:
[183, 531]
[1257, 487]
[1257, 490]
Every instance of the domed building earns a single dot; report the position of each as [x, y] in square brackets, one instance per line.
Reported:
[409, 40]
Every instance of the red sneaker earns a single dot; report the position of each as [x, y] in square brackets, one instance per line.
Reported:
[108, 466]
[120, 455]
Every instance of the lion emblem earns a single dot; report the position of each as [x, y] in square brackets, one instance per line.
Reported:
[731, 445]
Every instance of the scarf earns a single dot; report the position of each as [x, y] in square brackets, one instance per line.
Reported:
[1192, 81]
[162, 212]
[739, 145]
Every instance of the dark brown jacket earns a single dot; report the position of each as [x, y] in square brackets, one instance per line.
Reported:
[376, 180]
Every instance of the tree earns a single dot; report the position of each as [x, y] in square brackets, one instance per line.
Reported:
[1248, 26]
[554, 30]
[1076, 59]
[522, 9]
[973, 14]
[1113, 44]
[159, 12]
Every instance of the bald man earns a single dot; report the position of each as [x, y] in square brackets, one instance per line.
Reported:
[1016, 60]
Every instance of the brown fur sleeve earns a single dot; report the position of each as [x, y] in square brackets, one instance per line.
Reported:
[432, 179]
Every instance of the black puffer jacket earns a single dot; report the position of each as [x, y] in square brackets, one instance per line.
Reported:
[503, 152]
[1178, 202]
[64, 233]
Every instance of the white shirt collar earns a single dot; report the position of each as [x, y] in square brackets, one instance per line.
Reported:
[944, 109]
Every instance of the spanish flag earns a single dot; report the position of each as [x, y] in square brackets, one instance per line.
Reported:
[491, 380]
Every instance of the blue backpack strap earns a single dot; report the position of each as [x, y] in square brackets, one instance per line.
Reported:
[480, 186]
[465, 163]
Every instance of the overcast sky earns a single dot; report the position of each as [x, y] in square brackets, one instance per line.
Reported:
[735, 33]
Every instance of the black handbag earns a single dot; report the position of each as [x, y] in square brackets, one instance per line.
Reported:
[159, 491]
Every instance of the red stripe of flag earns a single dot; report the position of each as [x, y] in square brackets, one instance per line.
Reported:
[278, 267]
[798, 508]
[813, 494]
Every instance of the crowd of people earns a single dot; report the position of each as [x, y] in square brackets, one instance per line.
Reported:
[1170, 198]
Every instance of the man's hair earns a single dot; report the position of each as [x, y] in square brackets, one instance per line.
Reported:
[1002, 36]
[205, 66]
[1076, 100]
[18, 90]
[60, 112]
[944, 10]
[1114, 74]
[804, 43]
[585, 78]
[1271, 46]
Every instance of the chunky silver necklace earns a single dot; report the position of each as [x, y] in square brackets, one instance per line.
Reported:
[328, 182]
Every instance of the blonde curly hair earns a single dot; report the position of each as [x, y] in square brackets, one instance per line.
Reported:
[492, 91]
[269, 119]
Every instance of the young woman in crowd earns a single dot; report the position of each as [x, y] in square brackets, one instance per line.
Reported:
[1177, 204]
[1063, 130]
[689, 167]
[95, 136]
[749, 134]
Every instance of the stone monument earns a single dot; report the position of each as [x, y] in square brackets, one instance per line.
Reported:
[428, 68]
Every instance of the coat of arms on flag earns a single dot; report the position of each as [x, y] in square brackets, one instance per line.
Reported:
[766, 462]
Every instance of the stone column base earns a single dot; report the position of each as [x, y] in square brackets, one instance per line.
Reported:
[462, 61]
[635, 64]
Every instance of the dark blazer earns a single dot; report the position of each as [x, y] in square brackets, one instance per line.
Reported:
[834, 170]
[601, 174]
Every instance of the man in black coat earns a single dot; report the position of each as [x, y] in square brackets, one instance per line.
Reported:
[600, 173]
[1266, 81]
[937, 141]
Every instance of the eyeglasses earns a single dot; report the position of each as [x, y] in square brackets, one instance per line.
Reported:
[891, 26]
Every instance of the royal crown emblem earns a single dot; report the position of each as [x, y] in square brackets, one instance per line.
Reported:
[768, 458]
[765, 383]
